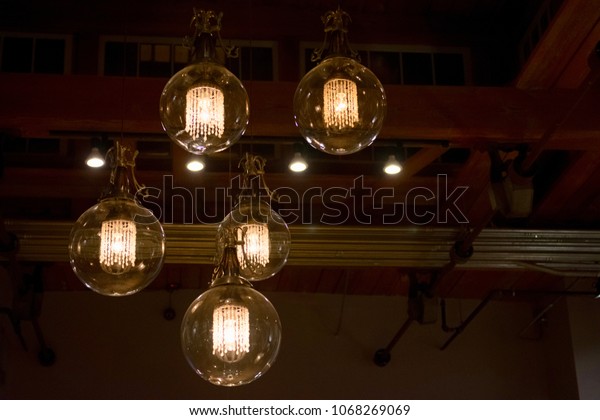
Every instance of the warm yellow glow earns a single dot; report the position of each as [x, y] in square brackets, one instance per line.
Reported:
[204, 112]
[195, 165]
[254, 251]
[298, 164]
[392, 166]
[95, 159]
[117, 246]
[231, 332]
[340, 104]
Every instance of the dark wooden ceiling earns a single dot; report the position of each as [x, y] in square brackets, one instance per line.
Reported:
[531, 94]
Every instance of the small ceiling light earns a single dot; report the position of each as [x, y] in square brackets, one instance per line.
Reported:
[392, 166]
[263, 236]
[116, 248]
[339, 106]
[95, 159]
[298, 163]
[231, 333]
[195, 165]
[204, 107]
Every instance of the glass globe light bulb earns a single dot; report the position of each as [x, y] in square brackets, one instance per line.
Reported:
[204, 108]
[263, 238]
[231, 333]
[339, 106]
[116, 248]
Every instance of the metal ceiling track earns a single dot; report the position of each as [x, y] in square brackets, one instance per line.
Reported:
[560, 252]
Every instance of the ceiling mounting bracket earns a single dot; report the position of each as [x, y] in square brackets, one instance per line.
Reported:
[461, 251]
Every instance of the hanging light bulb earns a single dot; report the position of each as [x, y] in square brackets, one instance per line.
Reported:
[231, 333]
[298, 163]
[195, 165]
[204, 107]
[94, 159]
[116, 248]
[263, 236]
[340, 105]
[392, 166]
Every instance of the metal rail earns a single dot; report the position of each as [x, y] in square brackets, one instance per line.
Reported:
[556, 251]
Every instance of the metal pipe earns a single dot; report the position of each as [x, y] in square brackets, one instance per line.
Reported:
[460, 328]
[383, 356]
[555, 272]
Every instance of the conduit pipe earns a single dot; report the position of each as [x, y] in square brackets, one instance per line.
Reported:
[460, 252]
[498, 292]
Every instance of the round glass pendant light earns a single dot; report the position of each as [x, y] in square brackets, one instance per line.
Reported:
[231, 333]
[116, 248]
[263, 238]
[340, 105]
[204, 107]
[263, 242]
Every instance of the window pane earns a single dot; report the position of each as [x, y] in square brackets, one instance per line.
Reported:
[17, 55]
[386, 66]
[182, 54]
[49, 56]
[162, 53]
[417, 69]
[159, 62]
[449, 69]
[146, 52]
[257, 63]
[120, 59]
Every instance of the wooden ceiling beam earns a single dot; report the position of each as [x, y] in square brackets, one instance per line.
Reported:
[566, 187]
[43, 106]
[560, 57]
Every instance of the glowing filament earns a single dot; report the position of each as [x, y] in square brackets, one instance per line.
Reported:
[253, 253]
[231, 332]
[117, 246]
[204, 112]
[340, 108]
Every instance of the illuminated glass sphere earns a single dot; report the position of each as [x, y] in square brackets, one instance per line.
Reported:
[263, 238]
[204, 108]
[339, 106]
[117, 247]
[231, 333]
